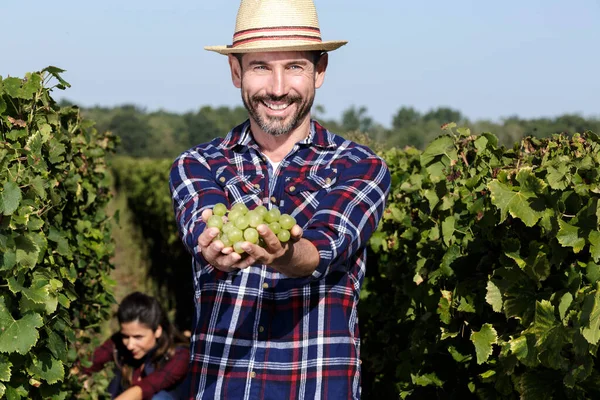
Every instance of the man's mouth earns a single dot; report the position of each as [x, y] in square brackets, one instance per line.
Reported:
[275, 107]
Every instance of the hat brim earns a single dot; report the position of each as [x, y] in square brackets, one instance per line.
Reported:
[321, 46]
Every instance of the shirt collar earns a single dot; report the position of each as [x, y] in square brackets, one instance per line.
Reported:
[241, 136]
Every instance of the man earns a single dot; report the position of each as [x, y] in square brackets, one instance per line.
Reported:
[279, 322]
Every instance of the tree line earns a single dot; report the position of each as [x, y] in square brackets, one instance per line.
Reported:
[162, 134]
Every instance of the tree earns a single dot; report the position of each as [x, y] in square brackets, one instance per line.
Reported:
[406, 116]
[443, 115]
[356, 120]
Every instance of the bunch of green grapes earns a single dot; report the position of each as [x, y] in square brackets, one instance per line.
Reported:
[238, 224]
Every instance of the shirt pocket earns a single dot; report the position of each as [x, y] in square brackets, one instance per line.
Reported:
[307, 190]
[239, 188]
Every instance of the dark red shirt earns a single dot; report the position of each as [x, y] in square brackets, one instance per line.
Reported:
[172, 371]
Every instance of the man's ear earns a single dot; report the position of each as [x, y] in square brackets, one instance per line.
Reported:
[236, 71]
[320, 68]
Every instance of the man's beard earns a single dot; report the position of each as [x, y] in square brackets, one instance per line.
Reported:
[277, 126]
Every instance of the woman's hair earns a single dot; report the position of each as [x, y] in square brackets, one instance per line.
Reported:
[146, 310]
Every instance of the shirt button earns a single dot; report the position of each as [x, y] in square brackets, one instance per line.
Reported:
[222, 179]
[273, 199]
[253, 374]
[292, 188]
[261, 329]
[265, 285]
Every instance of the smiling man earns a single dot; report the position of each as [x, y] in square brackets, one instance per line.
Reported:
[278, 320]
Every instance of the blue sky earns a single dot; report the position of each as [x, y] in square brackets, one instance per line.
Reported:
[489, 60]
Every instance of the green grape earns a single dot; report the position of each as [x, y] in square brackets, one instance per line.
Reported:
[241, 223]
[275, 227]
[262, 210]
[215, 221]
[272, 215]
[227, 226]
[254, 218]
[237, 247]
[220, 209]
[235, 235]
[251, 235]
[234, 215]
[287, 221]
[225, 239]
[239, 206]
[283, 236]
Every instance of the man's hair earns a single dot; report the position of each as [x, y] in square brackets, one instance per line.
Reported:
[315, 55]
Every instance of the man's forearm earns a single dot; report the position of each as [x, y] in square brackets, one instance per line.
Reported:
[301, 260]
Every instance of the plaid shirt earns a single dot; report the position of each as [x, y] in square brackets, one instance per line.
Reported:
[259, 334]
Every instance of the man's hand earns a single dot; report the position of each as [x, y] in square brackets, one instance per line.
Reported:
[274, 253]
[295, 258]
[215, 253]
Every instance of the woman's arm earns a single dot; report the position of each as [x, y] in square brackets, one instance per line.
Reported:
[133, 393]
[171, 373]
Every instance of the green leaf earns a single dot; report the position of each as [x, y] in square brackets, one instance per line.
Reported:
[426, 380]
[494, 296]
[590, 316]
[457, 356]
[448, 230]
[568, 236]
[594, 239]
[565, 303]
[10, 198]
[534, 385]
[444, 306]
[38, 292]
[523, 347]
[62, 243]
[27, 251]
[516, 203]
[5, 366]
[18, 335]
[483, 341]
[47, 368]
[57, 345]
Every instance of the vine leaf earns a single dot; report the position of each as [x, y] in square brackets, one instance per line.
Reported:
[494, 296]
[515, 203]
[47, 368]
[594, 239]
[590, 317]
[10, 198]
[18, 335]
[483, 341]
[5, 366]
[568, 236]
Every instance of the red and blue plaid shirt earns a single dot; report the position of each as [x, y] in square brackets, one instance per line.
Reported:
[259, 334]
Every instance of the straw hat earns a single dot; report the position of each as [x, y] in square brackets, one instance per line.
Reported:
[276, 25]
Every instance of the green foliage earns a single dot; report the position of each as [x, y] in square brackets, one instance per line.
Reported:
[145, 182]
[483, 279]
[55, 245]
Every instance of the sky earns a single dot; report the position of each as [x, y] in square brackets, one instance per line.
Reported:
[489, 60]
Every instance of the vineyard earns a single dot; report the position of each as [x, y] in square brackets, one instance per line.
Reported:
[482, 279]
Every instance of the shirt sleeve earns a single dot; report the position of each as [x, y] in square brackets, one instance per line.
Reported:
[101, 356]
[171, 373]
[193, 189]
[349, 214]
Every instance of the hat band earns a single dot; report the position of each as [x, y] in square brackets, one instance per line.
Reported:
[304, 33]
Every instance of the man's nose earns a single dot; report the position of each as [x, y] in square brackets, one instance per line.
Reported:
[277, 83]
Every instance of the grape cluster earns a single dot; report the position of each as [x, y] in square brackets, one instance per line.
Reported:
[238, 224]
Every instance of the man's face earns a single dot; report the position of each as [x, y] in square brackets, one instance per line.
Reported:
[278, 88]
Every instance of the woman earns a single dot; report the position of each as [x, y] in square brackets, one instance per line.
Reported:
[151, 357]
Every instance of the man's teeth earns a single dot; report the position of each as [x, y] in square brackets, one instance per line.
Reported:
[276, 106]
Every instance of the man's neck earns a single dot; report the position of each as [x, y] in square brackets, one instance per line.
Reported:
[277, 147]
